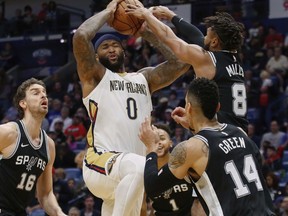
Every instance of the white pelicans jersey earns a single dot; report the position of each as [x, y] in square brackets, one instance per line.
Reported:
[117, 107]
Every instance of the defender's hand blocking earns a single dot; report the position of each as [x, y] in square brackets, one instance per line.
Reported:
[112, 7]
[179, 115]
[148, 134]
[137, 10]
[162, 12]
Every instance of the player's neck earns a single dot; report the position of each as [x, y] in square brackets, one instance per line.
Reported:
[33, 127]
[162, 161]
[206, 123]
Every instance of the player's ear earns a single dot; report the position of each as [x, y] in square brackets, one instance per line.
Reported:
[96, 56]
[218, 107]
[22, 104]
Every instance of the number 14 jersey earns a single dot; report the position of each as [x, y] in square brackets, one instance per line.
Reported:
[232, 183]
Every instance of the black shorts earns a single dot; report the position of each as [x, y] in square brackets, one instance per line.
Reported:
[4, 212]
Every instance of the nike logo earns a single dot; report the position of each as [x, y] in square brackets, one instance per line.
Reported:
[150, 158]
[24, 145]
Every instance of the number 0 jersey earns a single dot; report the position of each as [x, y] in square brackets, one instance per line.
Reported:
[232, 183]
[232, 91]
[20, 171]
[117, 107]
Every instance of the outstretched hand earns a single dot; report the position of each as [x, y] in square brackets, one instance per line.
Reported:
[112, 6]
[180, 116]
[137, 10]
[162, 12]
[148, 134]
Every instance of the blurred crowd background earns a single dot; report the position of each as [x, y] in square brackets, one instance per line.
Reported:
[38, 43]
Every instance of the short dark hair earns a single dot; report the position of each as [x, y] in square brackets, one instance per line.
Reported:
[21, 93]
[165, 128]
[230, 32]
[205, 93]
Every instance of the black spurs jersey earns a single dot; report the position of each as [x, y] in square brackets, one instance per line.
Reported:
[232, 183]
[232, 91]
[176, 201]
[20, 171]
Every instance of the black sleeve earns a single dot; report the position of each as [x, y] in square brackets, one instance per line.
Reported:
[156, 181]
[190, 33]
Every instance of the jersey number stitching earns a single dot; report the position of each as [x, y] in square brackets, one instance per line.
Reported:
[250, 173]
[27, 185]
[131, 108]
[239, 105]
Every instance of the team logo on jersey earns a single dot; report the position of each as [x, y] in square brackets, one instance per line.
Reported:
[31, 163]
[167, 193]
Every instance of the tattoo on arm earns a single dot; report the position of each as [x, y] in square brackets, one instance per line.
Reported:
[178, 155]
[166, 51]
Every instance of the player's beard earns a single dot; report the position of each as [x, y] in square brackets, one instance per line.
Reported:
[116, 66]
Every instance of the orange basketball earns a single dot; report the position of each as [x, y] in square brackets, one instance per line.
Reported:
[123, 23]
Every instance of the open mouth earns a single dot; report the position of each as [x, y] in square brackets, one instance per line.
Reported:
[44, 103]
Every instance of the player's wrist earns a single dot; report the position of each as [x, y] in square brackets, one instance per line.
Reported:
[176, 19]
[171, 15]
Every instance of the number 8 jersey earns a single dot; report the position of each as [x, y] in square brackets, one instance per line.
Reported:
[229, 77]
[117, 107]
[232, 183]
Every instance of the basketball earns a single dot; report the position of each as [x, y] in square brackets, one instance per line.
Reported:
[123, 23]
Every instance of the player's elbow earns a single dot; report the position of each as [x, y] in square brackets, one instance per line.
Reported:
[79, 35]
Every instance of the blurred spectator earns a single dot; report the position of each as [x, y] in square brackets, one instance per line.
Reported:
[61, 189]
[179, 135]
[54, 110]
[274, 137]
[64, 116]
[74, 83]
[277, 62]
[77, 129]
[272, 185]
[57, 91]
[29, 20]
[89, 207]
[74, 211]
[70, 140]
[272, 160]
[58, 130]
[156, 58]
[173, 100]
[159, 110]
[284, 207]
[82, 112]
[273, 39]
[7, 56]
[41, 16]
[16, 23]
[252, 135]
[51, 16]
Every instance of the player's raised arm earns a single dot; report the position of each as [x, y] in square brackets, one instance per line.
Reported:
[90, 71]
[188, 53]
